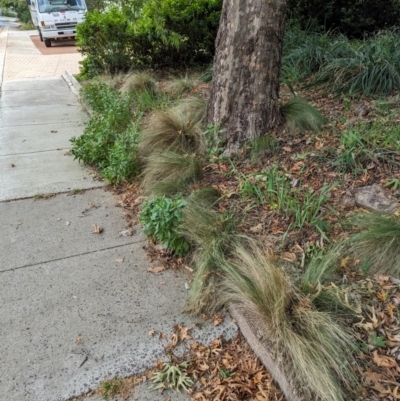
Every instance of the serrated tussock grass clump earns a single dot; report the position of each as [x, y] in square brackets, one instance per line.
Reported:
[378, 242]
[139, 82]
[210, 234]
[170, 167]
[179, 129]
[314, 348]
[302, 116]
[179, 86]
[316, 282]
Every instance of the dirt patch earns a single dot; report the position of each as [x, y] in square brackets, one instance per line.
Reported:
[62, 46]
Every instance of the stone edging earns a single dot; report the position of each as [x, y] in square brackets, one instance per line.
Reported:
[75, 87]
[262, 353]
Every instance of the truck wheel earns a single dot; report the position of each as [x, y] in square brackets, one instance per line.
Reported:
[40, 35]
[47, 42]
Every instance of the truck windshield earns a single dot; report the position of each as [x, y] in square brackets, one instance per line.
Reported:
[49, 6]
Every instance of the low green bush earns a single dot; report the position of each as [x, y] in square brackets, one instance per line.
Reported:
[162, 217]
[110, 138]
[155, 33]
[108, 42]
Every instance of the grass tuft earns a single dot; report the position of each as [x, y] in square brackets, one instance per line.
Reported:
[139, 82]
[210, 234]
[172, 169]
[378, 244]
[179, 86]
[314, 346]
[179, 130]
[301, 115]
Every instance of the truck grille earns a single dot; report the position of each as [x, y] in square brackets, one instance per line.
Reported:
[66, 25]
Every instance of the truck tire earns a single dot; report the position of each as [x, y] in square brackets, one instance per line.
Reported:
[47, 42]
[40, 35]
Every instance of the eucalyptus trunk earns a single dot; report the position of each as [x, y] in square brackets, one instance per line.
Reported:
[244, 97]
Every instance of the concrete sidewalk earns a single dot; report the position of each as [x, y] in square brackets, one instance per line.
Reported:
[20, 59]
[75, 306]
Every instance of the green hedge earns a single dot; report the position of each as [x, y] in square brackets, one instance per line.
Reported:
[161, 33]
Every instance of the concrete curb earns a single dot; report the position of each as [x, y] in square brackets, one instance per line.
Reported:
[73, 84]
[264, 355]
[75, 87]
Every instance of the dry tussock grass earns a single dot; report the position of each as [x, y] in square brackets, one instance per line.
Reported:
[313, 346]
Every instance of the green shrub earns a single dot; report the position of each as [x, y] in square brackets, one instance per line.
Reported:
[179, 31]
[107, 41]
[109, 141]
[161, 218]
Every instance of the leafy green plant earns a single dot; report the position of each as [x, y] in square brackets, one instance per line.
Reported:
[110, 138]
[214, 142]
[379, 341]
[172, 376]
[162, 218]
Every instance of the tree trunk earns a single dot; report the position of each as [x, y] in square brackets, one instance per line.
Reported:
[244, 97]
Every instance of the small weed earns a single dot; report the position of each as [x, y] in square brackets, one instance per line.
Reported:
[226, 373]
[172, 376]
[161, 218]
[76, 191]
[394, 183]
[110, 388]
[43, 196]
[214, 142]
[379, 341]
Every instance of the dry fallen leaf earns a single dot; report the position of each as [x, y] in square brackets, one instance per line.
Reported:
[12, 165]
[53, 131]
[97, 229]
[151, 333]
[78, 340]
[156, 270]
[257, 229]
[216, 320]
[384, 361]
[120, 260]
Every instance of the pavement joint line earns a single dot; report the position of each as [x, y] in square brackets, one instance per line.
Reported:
[36, 124]
[50, 193]
[38, 151]
[71, 256]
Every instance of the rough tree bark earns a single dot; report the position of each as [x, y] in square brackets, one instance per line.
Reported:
[245, 88]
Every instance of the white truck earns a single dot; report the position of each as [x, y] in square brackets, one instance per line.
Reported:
[56, 19]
